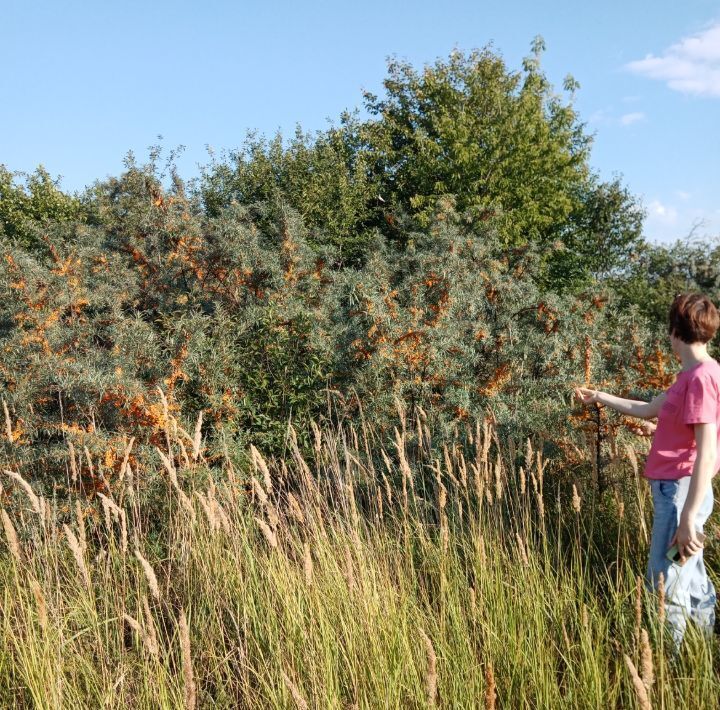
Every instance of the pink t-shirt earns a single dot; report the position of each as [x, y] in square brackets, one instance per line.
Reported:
[693, 398]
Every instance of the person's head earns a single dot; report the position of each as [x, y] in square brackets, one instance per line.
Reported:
[693, 320]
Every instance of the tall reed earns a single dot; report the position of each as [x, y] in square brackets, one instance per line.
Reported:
[428, 570]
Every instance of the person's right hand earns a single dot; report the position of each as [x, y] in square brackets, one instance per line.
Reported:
[585, 395]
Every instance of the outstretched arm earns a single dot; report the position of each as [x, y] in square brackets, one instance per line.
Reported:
[631, 407]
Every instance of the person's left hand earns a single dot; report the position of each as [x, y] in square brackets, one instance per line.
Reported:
[687, 541]
[648, 427]
[642, 428]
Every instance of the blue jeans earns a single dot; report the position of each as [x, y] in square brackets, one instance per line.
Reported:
[689, 593]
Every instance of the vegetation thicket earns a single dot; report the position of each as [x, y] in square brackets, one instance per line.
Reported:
[239, 316]
[326, 584]
[503, 144]
[319, 398]
[39, 201]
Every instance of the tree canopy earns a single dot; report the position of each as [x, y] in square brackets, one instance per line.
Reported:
[503, 144]
[39, 200]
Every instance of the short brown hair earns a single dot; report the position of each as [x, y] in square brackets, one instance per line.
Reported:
[693, 318]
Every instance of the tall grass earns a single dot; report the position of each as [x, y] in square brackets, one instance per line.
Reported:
[400, 573]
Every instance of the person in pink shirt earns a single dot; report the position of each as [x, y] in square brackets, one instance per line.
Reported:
[682, 461]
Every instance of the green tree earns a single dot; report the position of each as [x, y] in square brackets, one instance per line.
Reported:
[500, 141]
[326, 178]
[659, 271]
[24, 207]
[601, 237]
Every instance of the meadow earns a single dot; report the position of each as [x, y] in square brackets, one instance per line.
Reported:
[447, 576]
[299, 431]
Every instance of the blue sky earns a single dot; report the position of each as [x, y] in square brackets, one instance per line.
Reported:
[84, 82]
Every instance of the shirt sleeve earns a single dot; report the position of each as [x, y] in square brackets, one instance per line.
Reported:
[701, 401]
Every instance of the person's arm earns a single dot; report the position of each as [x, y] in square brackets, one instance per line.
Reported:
[700, 412]
[631, 407]
[703, 470]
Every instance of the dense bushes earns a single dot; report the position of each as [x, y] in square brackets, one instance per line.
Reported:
[38, 200]
[503, 144]
[452, 254]
[236, 315]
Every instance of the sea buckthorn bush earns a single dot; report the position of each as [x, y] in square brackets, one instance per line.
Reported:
[240, 317]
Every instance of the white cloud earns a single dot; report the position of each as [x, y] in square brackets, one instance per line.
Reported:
[629, 118]
[666, 222]
[608, 117]
[691, 65]
[599, 116]
[660, 212]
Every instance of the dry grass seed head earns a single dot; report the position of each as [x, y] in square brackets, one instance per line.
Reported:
[566, 637]
[169, 465]
[442, 497]
[40, 603]
[141, 634]
[260, 463]
[80, 518]
[29, 492]
[480, 547]
[632, 457]
[184, 453]
[575, 499]
[267, 532]
[77, 554]
[222, 516]
[73, 463]
[297, 697]
[317, 436]
[540, 466]
[197, 436]
[152, 641]
[149, 574]
[638, 607]
[88, 458]
[534, 480]
[259, 491]
[187, 668]
[307, 562]
[134, 625]
[585, 617]
[11, 536]
[490, 693]
[105, 502]
[126, 458]
[646, 662]
[388, 488]
[431, 673]
[498, 477]
[488, 494]
[295, 509]
[521, 547]
[123, 532]
[209, 512]
[638, 685]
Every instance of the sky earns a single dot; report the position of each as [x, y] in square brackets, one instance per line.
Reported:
[83, 83]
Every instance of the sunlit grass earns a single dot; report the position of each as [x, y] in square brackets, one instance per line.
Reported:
[453, 579]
